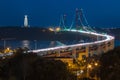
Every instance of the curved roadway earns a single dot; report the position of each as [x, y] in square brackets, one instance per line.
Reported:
[107, 38]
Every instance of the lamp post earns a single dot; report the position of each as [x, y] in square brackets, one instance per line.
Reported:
[89, 66]
[4, 43]
[96, 64]
[35, 44]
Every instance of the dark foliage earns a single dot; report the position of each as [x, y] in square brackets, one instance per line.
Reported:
[33, 67]
[110, 65]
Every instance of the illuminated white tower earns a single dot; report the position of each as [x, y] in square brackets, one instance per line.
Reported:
[25, 21]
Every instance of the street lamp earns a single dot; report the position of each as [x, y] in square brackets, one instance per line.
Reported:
[5, 40]
[35, 44]
[96, 64]
[4, 44]
[89, 66]
[96, 76]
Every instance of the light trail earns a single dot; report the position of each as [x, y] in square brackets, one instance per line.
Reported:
[107, 39]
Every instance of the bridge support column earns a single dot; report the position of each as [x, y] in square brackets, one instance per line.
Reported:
[87, 52]
[106, 47]
[58, 52]
[74, 53]
[99, 50]
[112, 45]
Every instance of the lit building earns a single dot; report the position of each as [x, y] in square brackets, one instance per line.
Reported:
[26, 21]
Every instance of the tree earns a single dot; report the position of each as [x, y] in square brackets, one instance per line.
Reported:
[32, 67]
[110, 65]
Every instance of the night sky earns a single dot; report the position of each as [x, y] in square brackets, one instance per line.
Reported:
[99, 13]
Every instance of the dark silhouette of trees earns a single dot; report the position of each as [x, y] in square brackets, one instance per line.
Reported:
[110, 65]
[33, 67]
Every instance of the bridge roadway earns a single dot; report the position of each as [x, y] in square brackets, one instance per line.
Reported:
[103, 45]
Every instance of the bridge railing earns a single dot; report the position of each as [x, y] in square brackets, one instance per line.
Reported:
[106, 39]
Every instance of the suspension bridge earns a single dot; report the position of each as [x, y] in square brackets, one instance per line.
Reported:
[102, 44]
[79, 25]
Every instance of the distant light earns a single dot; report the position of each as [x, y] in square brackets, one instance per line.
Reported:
[51, 29]
[8, 48]
[89, 66]
[58, 29]
[96, 64]
[81, 71]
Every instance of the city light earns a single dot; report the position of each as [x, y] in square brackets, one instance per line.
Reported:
[96, 64]
[51, 29]
[58, 29]
[89, 66]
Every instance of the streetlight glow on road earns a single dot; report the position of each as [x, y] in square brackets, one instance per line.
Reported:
[96, 64]
[89, 66]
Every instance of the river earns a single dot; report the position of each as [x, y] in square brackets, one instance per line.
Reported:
[36, 44]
